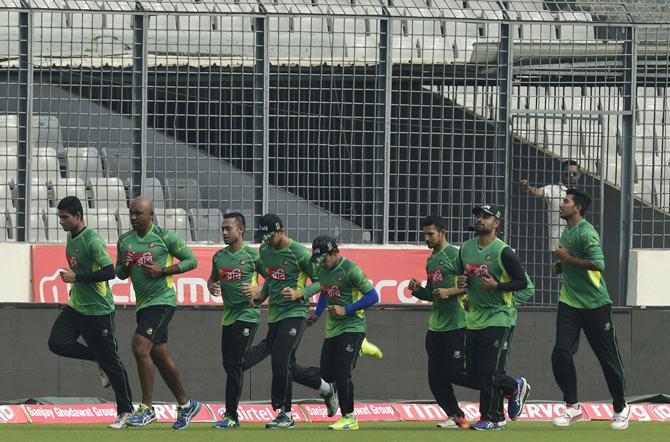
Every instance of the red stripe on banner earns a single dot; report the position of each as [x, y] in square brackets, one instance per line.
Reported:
[659, 412]
[390, 270]
[168, 413]
[363, 412]
[12, 414]
[256, 412]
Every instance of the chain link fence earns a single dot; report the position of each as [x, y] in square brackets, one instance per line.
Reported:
[353, 117]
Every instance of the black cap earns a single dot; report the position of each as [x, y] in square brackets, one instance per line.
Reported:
[487, 209]
[321, 246]
[268, 224]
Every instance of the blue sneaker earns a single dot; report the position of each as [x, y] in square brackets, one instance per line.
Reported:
[515, 404]
[227, 421]
[185, 414]
[488, 425]
[330, 399]
[282, 422]
[143, 416]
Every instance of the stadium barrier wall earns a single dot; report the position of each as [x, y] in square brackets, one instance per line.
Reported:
[646, 272]
[29, 369]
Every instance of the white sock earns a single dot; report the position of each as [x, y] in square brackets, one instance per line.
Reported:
[325, 387]
[187, 404]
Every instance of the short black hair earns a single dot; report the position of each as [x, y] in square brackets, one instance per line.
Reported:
[71, 205]
[565, 165]
[434, 220]
[239, 219]
[580, 198]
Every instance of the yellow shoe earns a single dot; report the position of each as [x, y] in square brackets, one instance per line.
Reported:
[370, 349]
[348, 422]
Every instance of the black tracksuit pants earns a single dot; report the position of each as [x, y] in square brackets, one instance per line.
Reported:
[98, 334]
[236, 340]
[338, 359]
[281, 344]
[601, 336]
[446, 362]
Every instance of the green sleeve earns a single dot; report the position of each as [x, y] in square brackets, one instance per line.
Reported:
[259, 266]
[307, 267]
[100, 254]
[592, 250]
[522, 296]
[214, 276]
[178, 248]
[120, 251]
[359, 280]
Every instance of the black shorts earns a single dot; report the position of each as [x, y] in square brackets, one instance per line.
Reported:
[152, 322]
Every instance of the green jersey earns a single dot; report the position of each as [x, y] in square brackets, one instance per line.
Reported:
[87, 253]
[234, 270]
[583, 288]
[344, 284]
[486, 308]
[288, 267]
[442, 271]
[158, 246]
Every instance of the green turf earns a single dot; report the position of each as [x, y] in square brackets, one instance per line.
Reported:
[370, 431]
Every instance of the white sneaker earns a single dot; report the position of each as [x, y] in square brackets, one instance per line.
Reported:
[569, 416]
[620, 420]
[104, 379]
[121, 421]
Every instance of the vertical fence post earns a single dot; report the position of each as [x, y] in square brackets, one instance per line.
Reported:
[503, 137]
[382, 173]
[627, 160]
[25, 112]
[139, 105]
[261, 170]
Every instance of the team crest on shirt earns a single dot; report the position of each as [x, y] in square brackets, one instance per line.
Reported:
[487, 258]
[151, 244]
[76, 250]
[276, 273]
[242, 262]
[73, 262]
[339, 280]
[332, 291]
[286, 262]
[435, 276]
[441, 262]
[230, 275]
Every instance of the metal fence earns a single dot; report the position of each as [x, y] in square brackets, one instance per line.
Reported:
[354, 117]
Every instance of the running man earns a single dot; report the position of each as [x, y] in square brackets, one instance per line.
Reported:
[90, 311]
[287, 265]
[445, 339]
[146, 254]
[346, 292]
[492, 274]
[234, 276]
[584, 304]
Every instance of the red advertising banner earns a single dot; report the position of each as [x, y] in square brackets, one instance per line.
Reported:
[363, 412]
[433, 412]
[389, 269]
[70, 414]
[168, 413]
[638, 412]
[659, 412]
[255, 412]
[12, 414]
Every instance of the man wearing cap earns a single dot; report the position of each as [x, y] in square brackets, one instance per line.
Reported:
[287, 266]
[492, 275]
[346, 292]
[445, 339]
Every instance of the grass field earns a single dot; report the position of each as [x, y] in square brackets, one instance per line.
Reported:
[370, 431]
